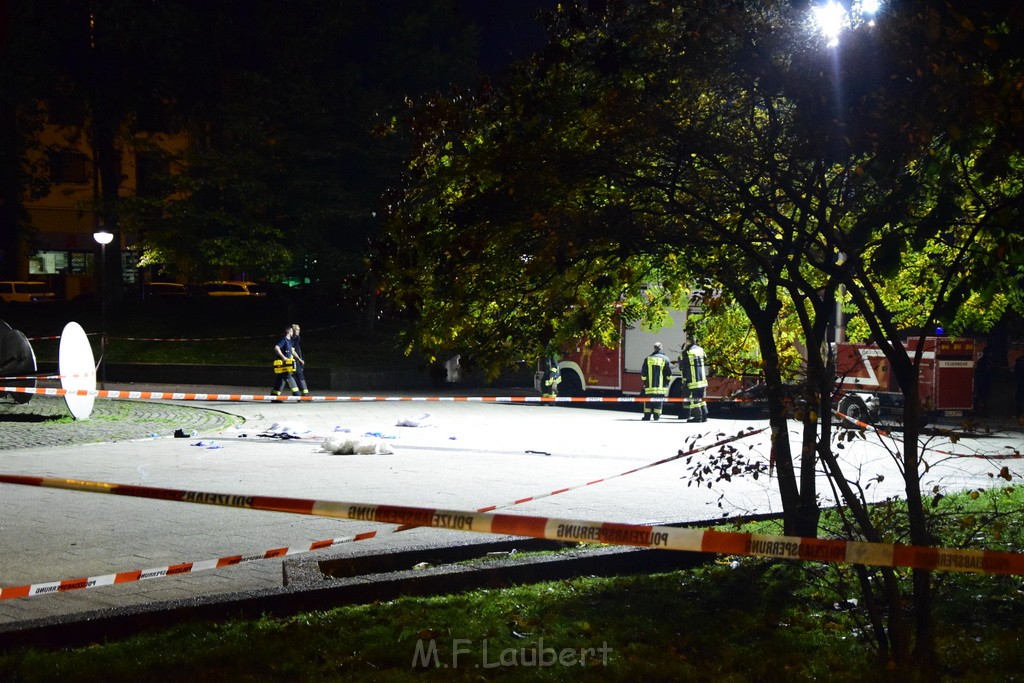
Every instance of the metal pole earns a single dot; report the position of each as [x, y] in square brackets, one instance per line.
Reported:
[103, 316]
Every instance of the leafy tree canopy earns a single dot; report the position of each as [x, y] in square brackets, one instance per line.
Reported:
[284, 174]
[667, 143]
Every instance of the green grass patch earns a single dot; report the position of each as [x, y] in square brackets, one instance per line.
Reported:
[659, 627]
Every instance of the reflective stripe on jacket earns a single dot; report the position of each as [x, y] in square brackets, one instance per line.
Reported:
[693, 367]
[656, 373]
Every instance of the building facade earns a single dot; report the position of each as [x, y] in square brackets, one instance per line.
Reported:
[60, 247]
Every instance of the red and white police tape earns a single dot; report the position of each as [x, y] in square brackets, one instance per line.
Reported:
[575, 530]
[66, 585]
[750, 431]
[1014, 455]
[863, 425]
[50, 587]
[238, 398]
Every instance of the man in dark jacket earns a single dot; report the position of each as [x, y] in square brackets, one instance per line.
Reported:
[300, 359]
[284, 364]
[656, 374]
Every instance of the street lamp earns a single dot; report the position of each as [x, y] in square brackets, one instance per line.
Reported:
[833, 17]
[103, 237]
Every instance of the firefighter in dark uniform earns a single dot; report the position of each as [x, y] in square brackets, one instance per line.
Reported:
[691, 363]
[284, 364]
[552, 377]
[300, 362]
[656, 374]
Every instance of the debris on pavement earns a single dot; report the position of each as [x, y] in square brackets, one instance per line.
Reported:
[349, 445]
[423, 420]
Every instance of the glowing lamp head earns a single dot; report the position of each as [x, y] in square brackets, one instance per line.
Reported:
[831, 19]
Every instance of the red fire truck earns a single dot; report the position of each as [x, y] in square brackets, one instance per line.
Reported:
[617, 369]
[867, 386]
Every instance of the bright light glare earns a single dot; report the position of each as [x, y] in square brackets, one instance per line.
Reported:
[831, 18]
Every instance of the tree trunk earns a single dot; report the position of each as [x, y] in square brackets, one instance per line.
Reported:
[763, 321]
[924, 622]
[818, 418]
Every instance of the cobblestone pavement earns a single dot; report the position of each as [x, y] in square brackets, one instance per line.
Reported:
[46, 421]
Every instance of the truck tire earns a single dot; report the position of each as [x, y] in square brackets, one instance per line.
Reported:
[854, 408]
[675, 390]
[571, 384]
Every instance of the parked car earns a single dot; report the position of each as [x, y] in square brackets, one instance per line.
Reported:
[18, 292]
[231, 288]
[165, 289]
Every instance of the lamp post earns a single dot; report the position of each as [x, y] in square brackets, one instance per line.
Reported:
[103, 237]
[833, 17]
[839, 331]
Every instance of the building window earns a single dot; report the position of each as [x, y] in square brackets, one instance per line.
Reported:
[60, 263]
[69, 167]
[48, 263]
[81, 262]
[129, 267]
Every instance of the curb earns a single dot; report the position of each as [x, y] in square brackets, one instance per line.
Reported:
[309, 585]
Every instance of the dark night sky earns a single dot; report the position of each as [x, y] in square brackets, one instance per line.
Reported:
[510, 29]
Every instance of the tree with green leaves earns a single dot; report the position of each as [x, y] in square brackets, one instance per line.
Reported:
[285, 171]
[653, 142]
[935, 172]
[578, 168]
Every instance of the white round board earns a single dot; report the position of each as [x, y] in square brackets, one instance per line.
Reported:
[77, 368]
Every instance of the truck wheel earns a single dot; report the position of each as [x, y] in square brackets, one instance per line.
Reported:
[675, 390]
[855, 409]
[571, 384]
